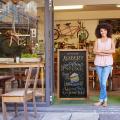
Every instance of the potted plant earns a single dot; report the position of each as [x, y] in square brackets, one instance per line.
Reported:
[27, 57]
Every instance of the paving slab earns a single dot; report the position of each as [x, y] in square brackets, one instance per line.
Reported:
[57, 116]
[83, 112]
[84, 116]
[20, 116]
[80, 108]
[112, 116]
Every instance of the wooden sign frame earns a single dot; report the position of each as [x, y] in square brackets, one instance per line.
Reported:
[58, 74]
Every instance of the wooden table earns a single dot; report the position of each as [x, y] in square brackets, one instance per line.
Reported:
[27, 65]
[20, 65]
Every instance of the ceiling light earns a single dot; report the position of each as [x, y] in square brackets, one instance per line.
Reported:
[118, 5]
[68, 7]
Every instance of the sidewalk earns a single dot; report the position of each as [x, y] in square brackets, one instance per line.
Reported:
[82, 112]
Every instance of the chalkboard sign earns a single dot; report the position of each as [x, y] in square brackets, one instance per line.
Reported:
[72, 74]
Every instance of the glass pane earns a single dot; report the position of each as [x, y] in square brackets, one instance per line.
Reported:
[22, 41]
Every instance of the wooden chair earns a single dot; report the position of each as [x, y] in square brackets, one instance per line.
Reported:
[22, 95]
[92, 77]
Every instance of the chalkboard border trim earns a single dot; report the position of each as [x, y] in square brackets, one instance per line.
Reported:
[87, 83]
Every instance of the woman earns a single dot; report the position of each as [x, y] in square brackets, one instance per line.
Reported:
[103, 49]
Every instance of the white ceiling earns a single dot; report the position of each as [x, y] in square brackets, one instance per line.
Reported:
[85, 2]
[74, 2]
[89, 4]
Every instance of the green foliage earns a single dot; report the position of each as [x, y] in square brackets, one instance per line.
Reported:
[7, 50]
[28, 55]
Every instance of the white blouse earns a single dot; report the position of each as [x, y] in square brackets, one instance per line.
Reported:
[104, 60]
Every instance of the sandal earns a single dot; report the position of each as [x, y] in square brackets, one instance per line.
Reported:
[104, 104]
[98, 103]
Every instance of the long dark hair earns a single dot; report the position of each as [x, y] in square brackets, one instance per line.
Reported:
[105, 26]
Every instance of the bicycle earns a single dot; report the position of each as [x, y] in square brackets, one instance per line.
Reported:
[70, 30]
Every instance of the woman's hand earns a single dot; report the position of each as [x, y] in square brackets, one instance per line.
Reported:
[110, 51]
[96, 51]
[104, 52]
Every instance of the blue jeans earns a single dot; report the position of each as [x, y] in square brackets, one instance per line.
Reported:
[103, 73]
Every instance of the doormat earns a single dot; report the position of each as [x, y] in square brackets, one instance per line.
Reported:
[113, 100]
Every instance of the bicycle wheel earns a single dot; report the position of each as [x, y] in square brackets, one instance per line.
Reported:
[82, 34]
[56, 34]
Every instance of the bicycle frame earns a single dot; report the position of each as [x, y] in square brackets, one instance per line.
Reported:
[68, 30]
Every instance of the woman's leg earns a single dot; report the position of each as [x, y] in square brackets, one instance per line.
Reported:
[105, 74]
[99, 71]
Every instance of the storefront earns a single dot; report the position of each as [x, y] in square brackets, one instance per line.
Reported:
[74, 30]
[32, 32]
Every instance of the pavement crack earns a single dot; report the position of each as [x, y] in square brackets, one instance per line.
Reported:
[70, 117]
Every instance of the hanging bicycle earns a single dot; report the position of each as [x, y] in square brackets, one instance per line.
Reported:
[69, 30]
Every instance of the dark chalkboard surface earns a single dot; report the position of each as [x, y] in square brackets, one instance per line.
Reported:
[72, 74]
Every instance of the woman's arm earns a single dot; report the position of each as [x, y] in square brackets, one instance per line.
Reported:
[110, 51]
[98, 52]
